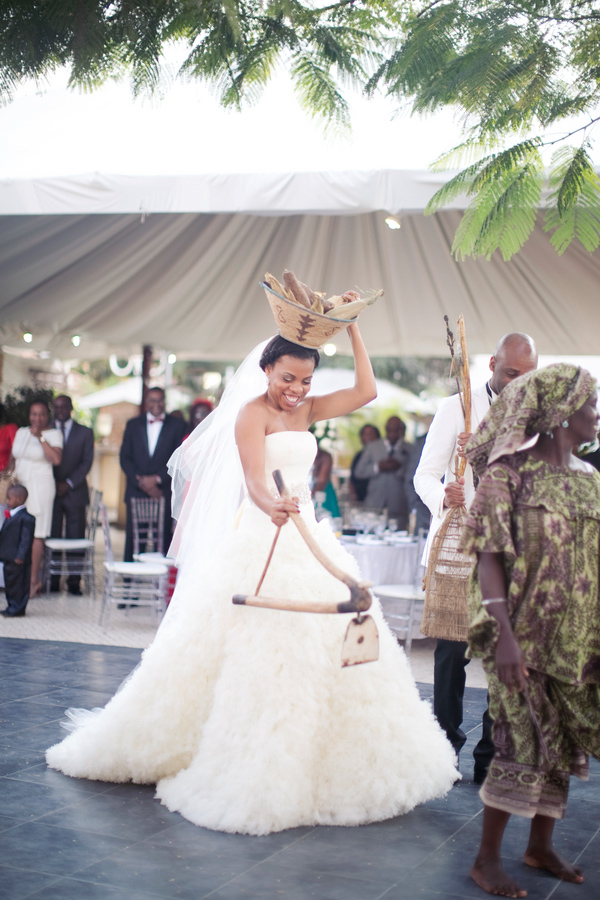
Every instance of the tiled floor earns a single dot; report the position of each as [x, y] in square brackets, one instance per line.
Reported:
[65, 839]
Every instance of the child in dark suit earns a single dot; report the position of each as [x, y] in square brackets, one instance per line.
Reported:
[16, 539]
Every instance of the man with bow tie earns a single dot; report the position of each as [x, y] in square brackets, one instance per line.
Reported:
[148, 443]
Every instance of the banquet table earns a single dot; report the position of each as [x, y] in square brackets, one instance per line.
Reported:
[384, 563]
[387, 563]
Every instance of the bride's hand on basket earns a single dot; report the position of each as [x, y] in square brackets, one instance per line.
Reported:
[454, 493]
[281, 510]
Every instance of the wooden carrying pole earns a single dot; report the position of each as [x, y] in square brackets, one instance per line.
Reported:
[448, 569]
[466, 385]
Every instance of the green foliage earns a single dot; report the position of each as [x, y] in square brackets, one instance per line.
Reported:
[16, 405]
[234, 45]
[575, 202]
[508, 67]
[506, 188]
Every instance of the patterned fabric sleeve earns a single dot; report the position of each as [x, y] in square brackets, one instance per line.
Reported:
[488, 527]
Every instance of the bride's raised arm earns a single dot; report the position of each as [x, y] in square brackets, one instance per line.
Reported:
[340, 403]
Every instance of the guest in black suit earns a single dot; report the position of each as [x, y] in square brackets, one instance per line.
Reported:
[148, 442]
[72, 495]
[16, 541]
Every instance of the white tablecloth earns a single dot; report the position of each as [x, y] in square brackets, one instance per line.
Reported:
[385, 563]
[389, 564]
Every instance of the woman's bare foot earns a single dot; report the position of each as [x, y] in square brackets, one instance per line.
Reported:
[490, 876]
[553, 862]
[35, 589]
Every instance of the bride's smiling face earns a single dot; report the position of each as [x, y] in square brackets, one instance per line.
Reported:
[289, 381]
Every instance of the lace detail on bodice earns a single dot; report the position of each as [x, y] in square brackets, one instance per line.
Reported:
[300, 490]
[293, 453]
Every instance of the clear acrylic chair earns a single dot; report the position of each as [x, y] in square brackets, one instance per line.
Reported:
[130, 583]
[148, 524]
[74, 556]
[399, 602]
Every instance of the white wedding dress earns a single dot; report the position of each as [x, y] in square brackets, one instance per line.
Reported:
[244, 718]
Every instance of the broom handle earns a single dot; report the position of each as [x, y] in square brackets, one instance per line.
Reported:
[309, 539]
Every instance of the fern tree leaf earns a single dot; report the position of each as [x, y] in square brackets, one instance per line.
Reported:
[506, 191]
[573, 211]
[318, 92]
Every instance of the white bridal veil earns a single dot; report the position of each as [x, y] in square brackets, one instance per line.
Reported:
[206, 472]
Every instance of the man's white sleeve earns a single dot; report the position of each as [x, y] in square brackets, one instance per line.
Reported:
[437, 456]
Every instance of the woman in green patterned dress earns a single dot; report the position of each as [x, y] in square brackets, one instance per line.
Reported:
[535, 610]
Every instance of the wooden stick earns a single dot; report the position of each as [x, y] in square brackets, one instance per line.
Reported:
[453, 366]
[304, 604]
[309, 539]
[466, 385]
[268, 562]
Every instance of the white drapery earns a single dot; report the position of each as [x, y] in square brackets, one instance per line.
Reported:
[189, 282]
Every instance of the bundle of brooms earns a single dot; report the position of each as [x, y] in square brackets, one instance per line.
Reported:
[448, 570]
[308, 317]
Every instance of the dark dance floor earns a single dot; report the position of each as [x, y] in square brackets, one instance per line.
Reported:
[64, 839]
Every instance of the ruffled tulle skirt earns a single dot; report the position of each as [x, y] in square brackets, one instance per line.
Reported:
[245, 719]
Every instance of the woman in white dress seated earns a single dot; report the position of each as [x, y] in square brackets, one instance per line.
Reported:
[36, 449]
[244, 717]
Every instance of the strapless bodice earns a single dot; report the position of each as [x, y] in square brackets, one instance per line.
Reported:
[293, 453]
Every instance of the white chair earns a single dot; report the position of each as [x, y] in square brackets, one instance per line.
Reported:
[74, 556]
[399, 602]
[169, 562]
[130, 583]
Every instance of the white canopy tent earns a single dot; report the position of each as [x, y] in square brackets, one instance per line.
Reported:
[175, 262]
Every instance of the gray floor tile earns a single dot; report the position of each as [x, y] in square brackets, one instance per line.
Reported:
[447, 872]
[7, 822]
[56, 851]
[71, 889]
[104, 814]
[270, 881]
[16, 884]
[24, 800]
[63, 698]
[41, 774]
[38, 737]
[378, 852]
[18, 716]
[13, 758]
[165, 871]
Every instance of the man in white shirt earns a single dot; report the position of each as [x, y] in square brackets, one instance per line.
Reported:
[383, 462]
[515, 355]
[148, 442]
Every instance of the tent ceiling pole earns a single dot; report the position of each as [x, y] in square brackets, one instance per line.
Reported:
[146, 366]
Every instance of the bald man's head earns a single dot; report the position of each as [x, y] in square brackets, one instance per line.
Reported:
[515, 355]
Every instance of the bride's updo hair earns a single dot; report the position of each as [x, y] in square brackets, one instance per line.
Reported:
[279, 346]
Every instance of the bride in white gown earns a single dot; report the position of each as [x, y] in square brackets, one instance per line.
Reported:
[243, 717]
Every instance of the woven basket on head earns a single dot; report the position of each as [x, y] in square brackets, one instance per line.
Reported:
[446, 582]
[302, 326]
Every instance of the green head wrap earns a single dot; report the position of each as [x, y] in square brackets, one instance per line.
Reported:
[531, 404]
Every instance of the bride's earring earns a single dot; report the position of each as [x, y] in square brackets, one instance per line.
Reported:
[565, 424]
[549, 434]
